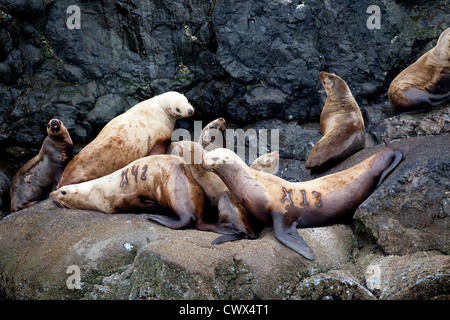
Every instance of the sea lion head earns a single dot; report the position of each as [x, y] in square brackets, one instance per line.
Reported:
[268, 162]
[191, 152]
[60, 196]
[83, 195]
[66, 197]
[212, 134]
[333, 84]
[443, 47]
[60, 136]
[220, 157]
[176, 105]
[56, 128]
[219, 124]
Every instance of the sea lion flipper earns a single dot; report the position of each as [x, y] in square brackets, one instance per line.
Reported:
[287, 234]
[230, 237]
[216, 227]
[170, 222]
[398, 156]
[160, 147]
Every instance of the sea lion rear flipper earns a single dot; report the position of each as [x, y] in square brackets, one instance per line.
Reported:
[398, 156]
[215, 227]
[287, 234]
[230, 237]
[170, 222]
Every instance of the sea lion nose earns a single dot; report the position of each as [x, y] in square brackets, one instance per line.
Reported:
[54, 121]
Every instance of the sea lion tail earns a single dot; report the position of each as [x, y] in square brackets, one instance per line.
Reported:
[398, 156]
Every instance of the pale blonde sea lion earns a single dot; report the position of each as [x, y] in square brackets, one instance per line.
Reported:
[143, 130]
[146, 185]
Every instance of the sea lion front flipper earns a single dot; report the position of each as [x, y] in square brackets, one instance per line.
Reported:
[160, 147]
[287, 234]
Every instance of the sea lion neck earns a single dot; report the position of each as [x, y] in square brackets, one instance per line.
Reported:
[230, 172]
[249, 192]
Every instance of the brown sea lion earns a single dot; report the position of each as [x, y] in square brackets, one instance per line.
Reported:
[212, 135]
[149, 184]
[143, 130]
[341, 125]
[36, 178]
[323, 201]
[192, 154]
[425, 83]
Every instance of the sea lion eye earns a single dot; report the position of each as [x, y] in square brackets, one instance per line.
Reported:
[63, 192]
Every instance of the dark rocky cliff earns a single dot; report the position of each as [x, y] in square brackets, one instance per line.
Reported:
[243, 60]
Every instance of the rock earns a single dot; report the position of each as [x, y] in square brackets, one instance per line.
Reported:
[4, 193]
[295, 141]
[418, 276]
[335, 285]
[23, 8]
[124, 256]
[403, 126]
[105, 109]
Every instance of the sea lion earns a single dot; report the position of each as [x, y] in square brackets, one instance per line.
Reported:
[216, 192]
[425, 83]
[152, 183]
[341, 125]
[212, 135]
[143, 130]
[323, 201]
[36, 178]
[268, 163]
[231, 211]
